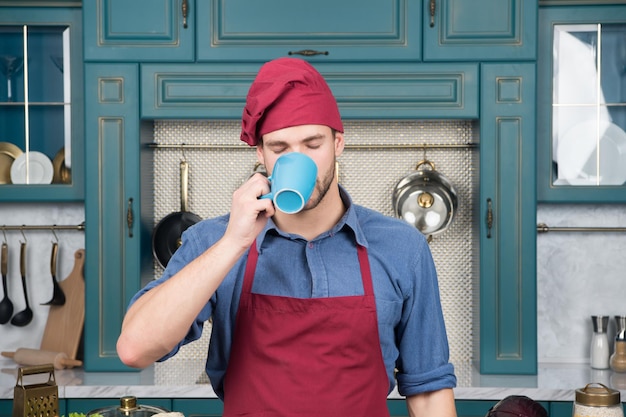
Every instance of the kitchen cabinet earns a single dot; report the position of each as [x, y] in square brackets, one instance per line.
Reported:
[41, 104]
[581, 104]
[117, 236]
[139, 30]
[372, 79]
[479, 30]
[381, 90]
[508, 313]
[323, 31]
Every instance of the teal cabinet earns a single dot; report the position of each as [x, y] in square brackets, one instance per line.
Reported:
[372, 91]
[508, 322]
[479, 30]
[323, 30]
[581, 105]
[41, 104]
[116, 237]
[139, 30]
[198, 407]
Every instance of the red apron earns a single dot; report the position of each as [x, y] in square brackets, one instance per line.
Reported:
[313, 357]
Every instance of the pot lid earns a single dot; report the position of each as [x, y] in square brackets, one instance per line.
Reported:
[128, 407]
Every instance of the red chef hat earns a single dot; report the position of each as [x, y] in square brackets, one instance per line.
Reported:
[287, 92]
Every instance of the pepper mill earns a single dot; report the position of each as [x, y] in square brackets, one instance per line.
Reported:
[618, 358]
[599, 352]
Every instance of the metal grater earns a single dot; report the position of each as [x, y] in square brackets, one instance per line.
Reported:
[36, 400]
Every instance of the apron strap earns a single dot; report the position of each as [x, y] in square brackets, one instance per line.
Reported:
[248, 277]
[366, 274]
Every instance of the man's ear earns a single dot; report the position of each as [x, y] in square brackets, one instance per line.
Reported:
[259, 153]
[339, 143]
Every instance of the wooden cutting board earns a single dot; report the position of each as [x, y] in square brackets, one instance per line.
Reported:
[64, 327]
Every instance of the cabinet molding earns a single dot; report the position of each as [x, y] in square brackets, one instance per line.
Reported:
[368, 91]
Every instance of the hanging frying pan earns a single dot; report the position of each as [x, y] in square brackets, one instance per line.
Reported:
[425, 199]
[166, 237]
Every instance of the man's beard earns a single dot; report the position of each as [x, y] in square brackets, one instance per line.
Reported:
[322, 186]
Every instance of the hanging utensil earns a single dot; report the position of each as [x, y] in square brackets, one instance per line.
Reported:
[166, 237]
[6, 306]
[25, 316]
[425, 199]
[58, 296]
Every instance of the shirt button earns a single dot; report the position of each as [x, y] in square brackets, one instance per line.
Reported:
[310, 245]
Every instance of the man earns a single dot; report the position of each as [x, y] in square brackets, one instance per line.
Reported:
[316, 313]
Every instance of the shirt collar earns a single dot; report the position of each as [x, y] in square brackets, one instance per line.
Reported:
[348, 220]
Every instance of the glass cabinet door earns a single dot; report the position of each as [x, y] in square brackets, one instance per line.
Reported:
[583, 117]
[37, 109]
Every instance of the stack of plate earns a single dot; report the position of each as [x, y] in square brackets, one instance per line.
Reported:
[17, 167]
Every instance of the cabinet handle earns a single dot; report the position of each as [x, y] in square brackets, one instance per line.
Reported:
[433, 5]
[489, 218]
[307, 52]
[129, 217]
[185, 10]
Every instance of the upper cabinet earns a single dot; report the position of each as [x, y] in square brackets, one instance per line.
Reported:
[322, 30]
[479, 30]
[362, 31]
[41, 105]
[582, 104]
[139, 30]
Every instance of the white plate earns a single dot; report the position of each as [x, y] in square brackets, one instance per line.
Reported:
[40, 169]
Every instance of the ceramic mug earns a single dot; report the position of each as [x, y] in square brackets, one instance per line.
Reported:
[292, 182]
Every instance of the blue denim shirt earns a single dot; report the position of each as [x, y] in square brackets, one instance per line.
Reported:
[410, 322]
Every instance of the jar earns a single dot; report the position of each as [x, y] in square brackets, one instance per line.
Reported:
[128, 408]
[597, 400]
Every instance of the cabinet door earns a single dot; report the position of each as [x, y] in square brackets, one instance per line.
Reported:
[323, 30]
[582, 104]
[41, 104]
[139, 30]
[508, 324]
[113, 234]
[479, 30]
[198, 407]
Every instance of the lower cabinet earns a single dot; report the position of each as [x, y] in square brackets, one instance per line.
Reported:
[213, 407]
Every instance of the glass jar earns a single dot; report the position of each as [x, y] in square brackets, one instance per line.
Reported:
[597, 400]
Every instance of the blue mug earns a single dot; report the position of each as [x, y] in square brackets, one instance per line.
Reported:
[292, 182]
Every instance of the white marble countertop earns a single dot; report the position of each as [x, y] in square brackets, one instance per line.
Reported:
[186, 379]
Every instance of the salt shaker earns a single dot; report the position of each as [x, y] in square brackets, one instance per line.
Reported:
[597, 400]
[599, 352]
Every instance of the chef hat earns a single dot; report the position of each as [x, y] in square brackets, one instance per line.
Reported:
[287, 92]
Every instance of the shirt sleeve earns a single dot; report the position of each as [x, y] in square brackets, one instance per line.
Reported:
[423, 363]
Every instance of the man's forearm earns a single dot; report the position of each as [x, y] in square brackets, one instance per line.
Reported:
[432, 404]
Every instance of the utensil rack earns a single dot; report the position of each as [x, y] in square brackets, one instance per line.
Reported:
[24, 227]
[348, 146]
[544, 228]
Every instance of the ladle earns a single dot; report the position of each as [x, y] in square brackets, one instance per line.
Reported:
[6, 306]
[58, 296]
[25, 316]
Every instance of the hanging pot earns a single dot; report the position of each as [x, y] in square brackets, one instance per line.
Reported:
[166, 237]
[425, 199]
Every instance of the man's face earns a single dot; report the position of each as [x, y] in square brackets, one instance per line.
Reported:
[315, 141]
